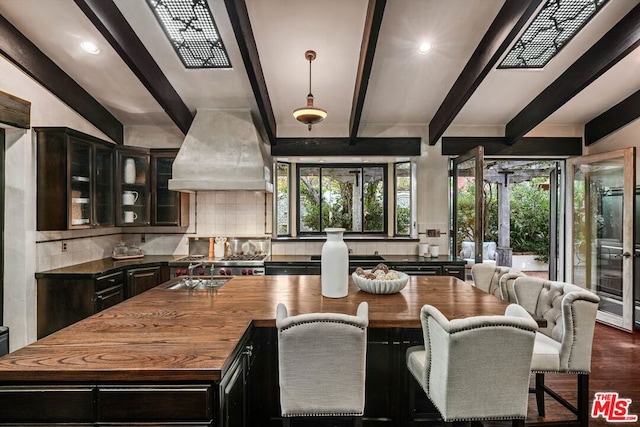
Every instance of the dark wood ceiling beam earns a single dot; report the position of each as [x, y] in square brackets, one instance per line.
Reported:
[20, 51]
[617, 43]
[497, 146]
[108, 19]
[239, 16]
[346, 147]
[503, 30]
[613, 119]
[14, 111]
[372, 24]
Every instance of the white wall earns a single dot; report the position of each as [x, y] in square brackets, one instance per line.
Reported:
[20, 218]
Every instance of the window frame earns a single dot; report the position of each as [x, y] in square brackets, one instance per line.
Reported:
[411, 198]
[275, 200]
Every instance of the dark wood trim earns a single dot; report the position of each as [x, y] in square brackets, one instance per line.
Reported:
[497, 146]
[503, 30]
[617, 43]
[239, 17]
[108, 19]
[346, 147]
[14, 111]
[20, 51]
[372, 24]
[613, 119]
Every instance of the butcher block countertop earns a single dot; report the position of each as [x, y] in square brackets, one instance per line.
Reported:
[182, 335]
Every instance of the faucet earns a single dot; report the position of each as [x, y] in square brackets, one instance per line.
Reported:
[193, 267]
[350, 250]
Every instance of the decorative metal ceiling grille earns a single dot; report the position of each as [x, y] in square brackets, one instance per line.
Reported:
[192, 32]
[554, 26]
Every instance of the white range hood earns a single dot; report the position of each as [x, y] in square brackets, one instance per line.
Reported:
[222, 151]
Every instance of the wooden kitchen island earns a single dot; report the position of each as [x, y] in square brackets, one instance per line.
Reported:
[209, 357]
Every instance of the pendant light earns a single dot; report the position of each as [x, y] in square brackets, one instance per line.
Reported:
[309, 115]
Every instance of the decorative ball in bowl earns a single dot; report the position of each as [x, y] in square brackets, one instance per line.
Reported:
[379, 280]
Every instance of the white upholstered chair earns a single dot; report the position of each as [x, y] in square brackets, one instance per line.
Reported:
[488, 277]
[475, 368]
[564, 345]
[322, 362]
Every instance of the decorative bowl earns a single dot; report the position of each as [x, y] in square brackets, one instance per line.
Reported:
[381, 286]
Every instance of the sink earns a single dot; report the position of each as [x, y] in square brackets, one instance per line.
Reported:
[353, 257]
[199, 284]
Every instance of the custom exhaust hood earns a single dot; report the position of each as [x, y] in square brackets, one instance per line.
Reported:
[222, 151]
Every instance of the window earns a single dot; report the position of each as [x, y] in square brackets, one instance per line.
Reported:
[348, 196]
[403, 199]
[356, 197]
[283, 221]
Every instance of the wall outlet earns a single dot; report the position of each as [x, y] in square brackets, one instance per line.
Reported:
[143, 238]
[64, 246]
[433, 232]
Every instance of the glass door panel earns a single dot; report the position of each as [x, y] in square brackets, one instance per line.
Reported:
[104, 211]
[167, 201]
[133, 189]
[467, 197]
[80, 171]
[602, 214]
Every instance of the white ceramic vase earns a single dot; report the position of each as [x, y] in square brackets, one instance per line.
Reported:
[129, 171]
[334, 265]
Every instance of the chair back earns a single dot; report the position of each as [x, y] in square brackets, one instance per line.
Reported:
[478, 368]
[487, 277]
[570, 312]
[321, 361]
[506, 285]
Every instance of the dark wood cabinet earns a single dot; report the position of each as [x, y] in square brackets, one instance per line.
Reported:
[143, 279]
[64, 301]
[74, 180]
[168, 207]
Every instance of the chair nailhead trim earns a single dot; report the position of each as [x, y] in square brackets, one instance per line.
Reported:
[484, 326]
[322, 321]
[323, 414]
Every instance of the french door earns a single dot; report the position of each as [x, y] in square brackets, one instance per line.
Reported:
[468, 176]
[600, 194]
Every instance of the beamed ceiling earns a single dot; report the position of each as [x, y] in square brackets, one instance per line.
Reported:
[382, 96]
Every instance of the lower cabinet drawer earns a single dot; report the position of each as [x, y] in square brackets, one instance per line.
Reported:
[155, 403]
[46, 404]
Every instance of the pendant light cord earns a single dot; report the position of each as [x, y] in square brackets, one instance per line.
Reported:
[310, 78]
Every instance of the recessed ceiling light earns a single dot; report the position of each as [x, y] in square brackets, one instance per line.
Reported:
[424, 48]
[90, 48]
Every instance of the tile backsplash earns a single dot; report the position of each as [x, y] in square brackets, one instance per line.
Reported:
[233, 213]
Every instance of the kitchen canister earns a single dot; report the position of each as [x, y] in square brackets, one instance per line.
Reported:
[423, 249]
[334, 265]
[129, 171]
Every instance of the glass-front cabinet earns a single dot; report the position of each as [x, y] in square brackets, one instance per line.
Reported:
[168, 207]
[133, 187]
[74, 180]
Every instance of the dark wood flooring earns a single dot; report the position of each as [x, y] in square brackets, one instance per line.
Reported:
[615, 367]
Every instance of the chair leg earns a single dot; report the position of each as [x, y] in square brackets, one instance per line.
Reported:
[540, 393]
[357, 422]
[517, 423]
[286, 422]
[583, 399]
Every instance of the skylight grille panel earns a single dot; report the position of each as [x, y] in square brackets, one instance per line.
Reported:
[191, 29]
[554, 26]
